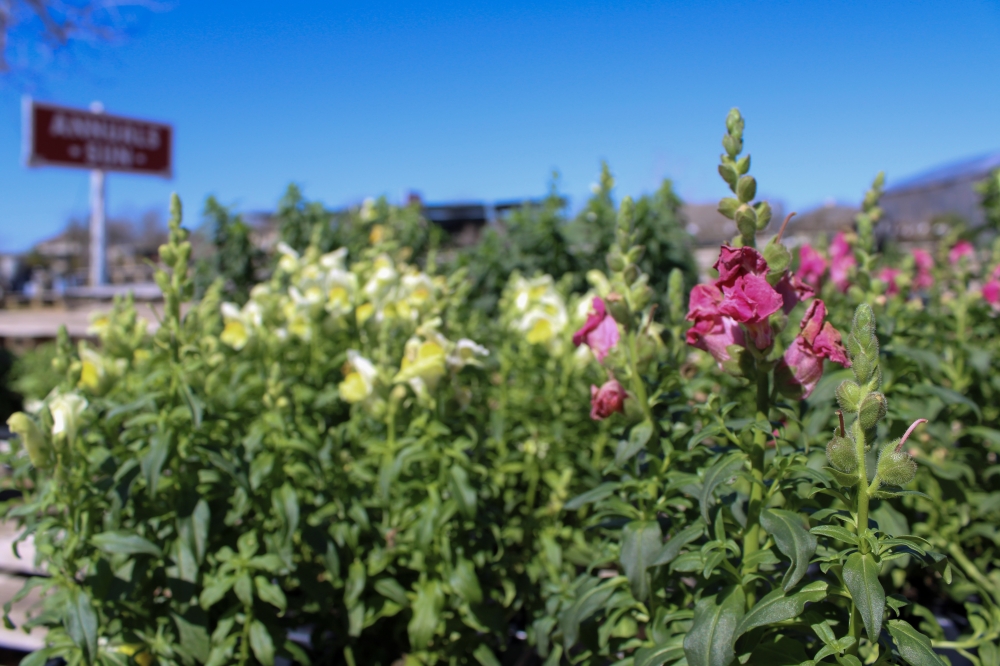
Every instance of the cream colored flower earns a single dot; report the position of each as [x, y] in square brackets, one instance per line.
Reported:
[66, 409]
[359, 384]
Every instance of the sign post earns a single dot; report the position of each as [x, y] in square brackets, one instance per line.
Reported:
[99, 142]
[98, 239]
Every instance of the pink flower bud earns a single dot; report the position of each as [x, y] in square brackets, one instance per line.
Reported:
[801, 367]
[607, 400]
[889, 275]
[812, 265]
[841, 261]
[924, 263]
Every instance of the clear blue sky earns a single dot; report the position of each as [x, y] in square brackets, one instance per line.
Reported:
[473, 100]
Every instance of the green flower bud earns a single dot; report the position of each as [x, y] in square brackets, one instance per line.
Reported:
[619, 309]
[872, 410]
[32, 437]
[849, 396]
[746, 221]
[746, 188]
[895, 467]
[728, 207]
[863, 367]
[841, 453]
[763, 213]
[728, 173]
[615, 260]
[630, 273]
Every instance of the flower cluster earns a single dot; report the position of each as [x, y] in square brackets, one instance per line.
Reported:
[537, 310]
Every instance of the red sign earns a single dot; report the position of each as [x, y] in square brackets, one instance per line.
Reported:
[60, 136]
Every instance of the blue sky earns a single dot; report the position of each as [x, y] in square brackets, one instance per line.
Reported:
[474, 100]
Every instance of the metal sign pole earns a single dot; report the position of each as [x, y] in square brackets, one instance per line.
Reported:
[98, 242]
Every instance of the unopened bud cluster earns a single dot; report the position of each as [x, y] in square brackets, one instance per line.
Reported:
[734, 170]
[869, 406]
[631, 291]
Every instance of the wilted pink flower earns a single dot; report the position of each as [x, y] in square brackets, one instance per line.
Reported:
[750, 301]
[712, 332]
[812, 265]
[962, 248]
[924, 263]
[888, 275]
[802, 365]
[793, 291]
[841, 261]
[735, 262]
[600, 331]
[607, 400]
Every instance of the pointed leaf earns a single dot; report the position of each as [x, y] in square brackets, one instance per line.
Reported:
[641, 543]
[778, 607]
[672, 547]
[710, 640]
[592, 495]
[194, 638]
[637, 439]
[660, 654]
[716, 474]
[120, 541]
[463, 492]
[861, 579]
[792, 540]
[913, 646]
[426, 614]
[261, 643]
[271, 593]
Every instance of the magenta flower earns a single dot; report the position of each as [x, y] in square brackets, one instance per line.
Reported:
[599, 332]
[962, 248]
[735, 262]
[841, 261]
[750, 301]
[924, 263]
[812, 265]
[712, 332]
[991, 290]
[607, 400]
[889, 275]
[802, 365]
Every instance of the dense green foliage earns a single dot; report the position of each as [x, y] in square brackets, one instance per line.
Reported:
[385, 453]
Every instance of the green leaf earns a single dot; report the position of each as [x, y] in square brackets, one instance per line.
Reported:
[462, 491]
[673, 546]
[792, 540]
[426, 614]
[836, 532]
[843, 478]
[947, 396]
[593, 495]
[244, 589]
[153, 459]
[782, 652]
[779, 606]
[861, 579]
[261, 643]
[194, 638]
[660, 654]
[392, 590]
[587, 601]
[484, 655]
[641, 543]
[464, 581]
[271, 593]
[913, 646]
[710, 640]
[355, 583]
[715, 475]
[212, 593]
[637, 439]
[128, 543]
[80, 621]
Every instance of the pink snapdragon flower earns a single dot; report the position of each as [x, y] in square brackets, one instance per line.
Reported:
[607, 400]
[991, 290]
[599, 332]
[711, 332]
[793, 291]
[841, 261]
[889, 275]
[812, 265]
[801, 367]
[924, 262]
[962, 248]
[735, 262]
[750, 301]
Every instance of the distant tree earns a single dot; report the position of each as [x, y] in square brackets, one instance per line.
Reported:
[234, 258]
[55, 25]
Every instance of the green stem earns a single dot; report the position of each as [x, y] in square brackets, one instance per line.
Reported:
[637, 385]
[862, 490]
[971, 570]
[751, 540]
[245, 641]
